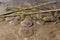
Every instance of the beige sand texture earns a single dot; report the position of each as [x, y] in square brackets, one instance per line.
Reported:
[11, 30]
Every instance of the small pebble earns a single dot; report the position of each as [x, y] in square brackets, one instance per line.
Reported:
[26, 23]
[40, 22]
[9, 18]
[17, 17]
[13, 22]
